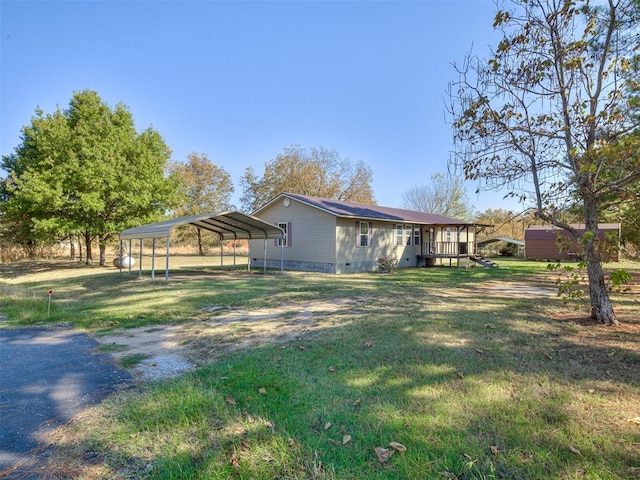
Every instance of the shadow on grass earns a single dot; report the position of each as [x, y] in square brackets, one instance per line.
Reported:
[474, 387]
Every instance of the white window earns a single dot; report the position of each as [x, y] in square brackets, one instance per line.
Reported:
[416, 235]
[364, 232]
[407, 235]
[399, 232]
[282, 242]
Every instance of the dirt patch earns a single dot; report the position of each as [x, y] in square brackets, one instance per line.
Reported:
[170, 350]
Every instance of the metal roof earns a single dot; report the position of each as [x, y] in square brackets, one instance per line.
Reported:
[502, 239]
[227, 225]
[341, 208]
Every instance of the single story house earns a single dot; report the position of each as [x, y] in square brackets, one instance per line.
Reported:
[548, 242]
[332, 236]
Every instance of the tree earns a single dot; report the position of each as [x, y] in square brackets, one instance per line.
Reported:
[546, 115]
[206, 188]
[86, 171]
[313, 171]
[445, 196]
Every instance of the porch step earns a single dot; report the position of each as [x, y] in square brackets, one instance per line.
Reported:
[483, 261]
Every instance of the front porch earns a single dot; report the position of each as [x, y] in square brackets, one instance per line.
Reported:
[431, 251]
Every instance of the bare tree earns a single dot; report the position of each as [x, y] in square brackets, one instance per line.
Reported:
[444, 195]
[545, 116]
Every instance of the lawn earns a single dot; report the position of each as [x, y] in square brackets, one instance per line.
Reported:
[424, 373]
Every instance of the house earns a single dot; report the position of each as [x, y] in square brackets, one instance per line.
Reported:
[545, 242]
[332, 236]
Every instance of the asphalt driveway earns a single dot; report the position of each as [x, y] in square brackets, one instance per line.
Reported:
[46, 377]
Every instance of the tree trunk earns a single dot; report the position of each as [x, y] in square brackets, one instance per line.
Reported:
[72, 249]
[200, 251]
[88, 254]
[103, 251]
[80, 248]
[601, 308]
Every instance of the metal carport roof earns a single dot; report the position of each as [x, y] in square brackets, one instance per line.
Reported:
[230, 225]
[227, 225]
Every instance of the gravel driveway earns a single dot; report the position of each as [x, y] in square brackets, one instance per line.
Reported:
[46, 377]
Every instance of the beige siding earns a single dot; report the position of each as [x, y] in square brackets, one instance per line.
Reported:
[350, 257]
[312, 234]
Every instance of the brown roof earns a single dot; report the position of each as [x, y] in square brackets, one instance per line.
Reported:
[369, 212]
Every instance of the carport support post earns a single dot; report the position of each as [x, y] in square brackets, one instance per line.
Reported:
[249, 255]
[166, 272]
[282, 256]
[153, 259]
[129, 255]
[264, 268]
[120, 255]
[140, 266]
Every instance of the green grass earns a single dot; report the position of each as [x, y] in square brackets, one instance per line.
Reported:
[476, 384]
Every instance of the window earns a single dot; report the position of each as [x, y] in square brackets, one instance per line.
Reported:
[416, 235]
[282, 242]
[364, 234]
[448, 234]
[399, 231]
[407, 235]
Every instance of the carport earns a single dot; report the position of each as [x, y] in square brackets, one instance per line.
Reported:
[231, 225]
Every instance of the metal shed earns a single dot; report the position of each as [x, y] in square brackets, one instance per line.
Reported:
[230, 225]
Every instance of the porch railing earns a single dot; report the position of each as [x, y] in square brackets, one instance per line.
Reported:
[449, 249]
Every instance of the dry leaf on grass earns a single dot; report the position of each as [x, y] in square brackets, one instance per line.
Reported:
[230, 401]
[634, 420]
[291, 442]
[327, 425]
[368, 345]
[398, 446]
[480, 351]
[356, 403]
[494, 449]
[346, 439]
[383, 454]
[262, 391]
[575, 450]
[332, 368]
[235, 463]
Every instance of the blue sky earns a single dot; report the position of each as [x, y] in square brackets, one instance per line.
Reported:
[242, 80]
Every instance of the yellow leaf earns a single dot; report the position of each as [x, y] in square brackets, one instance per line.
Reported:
[398, 446]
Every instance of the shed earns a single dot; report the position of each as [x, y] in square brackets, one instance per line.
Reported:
[231, 225]
[542, 242]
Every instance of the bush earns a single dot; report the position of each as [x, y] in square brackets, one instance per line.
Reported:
[387, 264]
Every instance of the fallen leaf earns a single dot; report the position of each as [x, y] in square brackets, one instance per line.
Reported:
[383, 454]
[460, 374]
[262, 391]
[153, 364]
[268, 424]
[489, 325]
[235, 463]
[300, 347]
[346, 439]
[575, 450]
[332, 368]
[327, 425]
[291, 442]
[356, 403]
[548, 356]
[406, 424]
[634, 420]
[368, 345]
[480, 351]
[592, 390]
[230, 401]
[282, 347]
[494, 449]
[398, 446]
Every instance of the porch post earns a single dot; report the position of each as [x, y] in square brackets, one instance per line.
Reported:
[153, 259]
[129, 255]
[264, 268]
[166, 271]
[140, 266]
